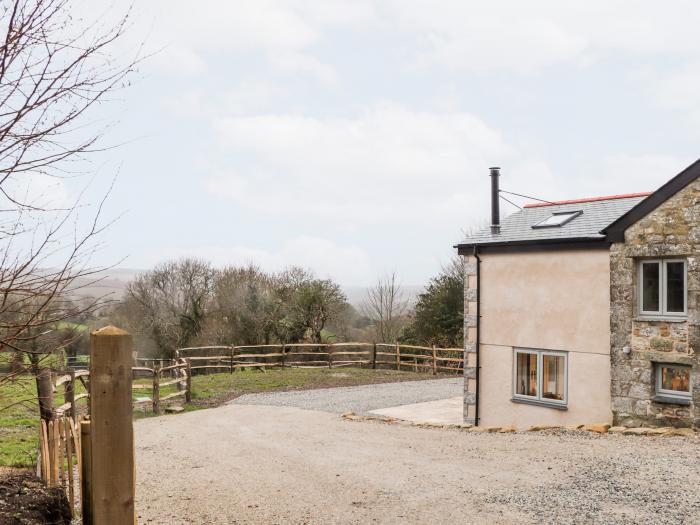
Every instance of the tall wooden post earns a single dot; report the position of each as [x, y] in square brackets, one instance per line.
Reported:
[374, 356]
[188, 394]
[231, 359]
[284, 354]
[69, 395]
[398, 357]
[86, 473]
[112, 488]
[44, 390]
[434, 360]
[156, 389]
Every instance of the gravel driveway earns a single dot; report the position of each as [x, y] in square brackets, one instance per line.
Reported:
[241, 464]
[360, 399]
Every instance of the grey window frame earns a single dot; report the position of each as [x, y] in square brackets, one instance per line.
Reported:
[572, 214]
[663, 288]
[676, 394]
[538, 399]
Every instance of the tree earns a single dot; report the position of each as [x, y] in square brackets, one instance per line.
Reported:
[242, 309]
[386, 306]
[438, 316]
[170, 302]
[317, 302]
[54, 68]
[306, 304]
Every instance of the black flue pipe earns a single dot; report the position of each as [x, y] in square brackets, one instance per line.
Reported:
[495, 201]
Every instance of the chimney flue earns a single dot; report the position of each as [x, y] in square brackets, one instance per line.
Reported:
[495, 201]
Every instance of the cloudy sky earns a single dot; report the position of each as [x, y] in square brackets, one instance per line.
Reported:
[354, 136]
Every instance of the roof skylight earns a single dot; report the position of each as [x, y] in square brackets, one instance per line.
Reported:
[559, 218]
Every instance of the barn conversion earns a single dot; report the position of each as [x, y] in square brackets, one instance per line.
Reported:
[586, 311]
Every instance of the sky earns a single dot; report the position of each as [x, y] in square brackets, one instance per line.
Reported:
[354, 137]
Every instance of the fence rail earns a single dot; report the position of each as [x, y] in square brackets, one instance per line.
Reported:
[325, 355]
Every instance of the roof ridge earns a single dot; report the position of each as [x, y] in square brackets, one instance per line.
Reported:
[589, 199]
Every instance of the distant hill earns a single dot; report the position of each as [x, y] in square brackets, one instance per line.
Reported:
[113, 283]
[110, 283]
[357, 294]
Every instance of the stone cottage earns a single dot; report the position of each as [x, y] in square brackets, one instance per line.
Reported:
[586, 311]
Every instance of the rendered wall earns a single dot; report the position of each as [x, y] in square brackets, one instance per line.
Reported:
[553, 300]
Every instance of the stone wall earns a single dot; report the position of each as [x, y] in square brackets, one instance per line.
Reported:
[470, 317]
[672, 230]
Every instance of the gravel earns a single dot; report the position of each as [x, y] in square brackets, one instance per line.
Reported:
[241, 464]
[360, 399]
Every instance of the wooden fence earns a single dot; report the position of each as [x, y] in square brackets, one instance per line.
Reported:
[60, 457]
[178, 374]
[60, 443]
[429, 359]
[161, 376]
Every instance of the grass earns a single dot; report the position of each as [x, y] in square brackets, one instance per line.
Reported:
[19, 412]
[215, 389]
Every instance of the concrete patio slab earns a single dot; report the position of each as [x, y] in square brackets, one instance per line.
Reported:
[442, 411]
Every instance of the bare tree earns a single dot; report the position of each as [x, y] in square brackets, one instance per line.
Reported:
[54, 68]
[386, 306]
[170, 303]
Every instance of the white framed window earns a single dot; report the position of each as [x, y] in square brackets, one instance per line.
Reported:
[673, 381]
[540, 376]
[662, 287]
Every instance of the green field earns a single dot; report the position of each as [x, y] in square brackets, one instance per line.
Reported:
[19, 411]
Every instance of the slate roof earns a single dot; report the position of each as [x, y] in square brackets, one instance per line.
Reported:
[598, 213]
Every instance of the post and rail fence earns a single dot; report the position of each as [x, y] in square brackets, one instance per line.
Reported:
[430, 359]
[87, 448]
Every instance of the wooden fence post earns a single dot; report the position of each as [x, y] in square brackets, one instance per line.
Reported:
[231, 357]
[85, 473]
[112, 487]
[52, 453]
[44, 444]
[69, 395]
[374, 356]
[44, 390]
[284, 354]
[156, 389]
[188, 392]
[398, 357]
[69, 463]
[434, 361]
[330, 356]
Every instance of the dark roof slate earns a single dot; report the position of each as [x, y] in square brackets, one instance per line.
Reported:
[596, 216]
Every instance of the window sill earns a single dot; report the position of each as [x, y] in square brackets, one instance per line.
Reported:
[539, 403]
[661, 318]
[670, 400]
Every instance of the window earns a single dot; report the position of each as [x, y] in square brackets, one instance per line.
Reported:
[662, 287]
[559, 218]
[673, 381]
[540, 376]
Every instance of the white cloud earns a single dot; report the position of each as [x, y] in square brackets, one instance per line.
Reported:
[326, 258]
[283, 31]
[499, 35]
[40, 191]
[528, 36]
[633, 173]
[388, 165]
[677, 90]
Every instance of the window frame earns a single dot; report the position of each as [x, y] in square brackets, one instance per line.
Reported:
[674, 394]
[539, 399]
[571, 215]
[663, 288]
